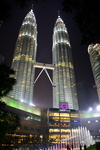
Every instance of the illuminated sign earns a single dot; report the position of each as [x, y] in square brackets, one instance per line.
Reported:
[64, 106]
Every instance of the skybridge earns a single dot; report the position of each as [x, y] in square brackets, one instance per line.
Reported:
[44, 67]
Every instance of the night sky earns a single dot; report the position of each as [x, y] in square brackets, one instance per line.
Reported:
[46, 14]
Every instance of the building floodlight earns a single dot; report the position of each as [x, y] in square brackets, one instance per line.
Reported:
[31, 104]
[22, 100]
[90, 109]
[98, 108]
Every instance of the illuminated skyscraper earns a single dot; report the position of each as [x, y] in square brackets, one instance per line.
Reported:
[94, 53]
[24, 58]
[64, 91]
[24, 64]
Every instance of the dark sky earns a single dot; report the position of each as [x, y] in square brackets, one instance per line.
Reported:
[46, 14]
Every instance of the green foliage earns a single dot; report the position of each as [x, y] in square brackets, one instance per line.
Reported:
[6, 82]
[4, 148]
[21, 3]
[86, 16]
[92, 147]
[2, 105]
[9, 122]
[6, 7]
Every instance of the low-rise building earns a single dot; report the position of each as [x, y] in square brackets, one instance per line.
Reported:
[52, 124]
[91, 120]
[60, 122]
[33, 119]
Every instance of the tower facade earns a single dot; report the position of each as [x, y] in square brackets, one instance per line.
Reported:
[24, 64]
[94, 53]
[24, 58]
[64, 91]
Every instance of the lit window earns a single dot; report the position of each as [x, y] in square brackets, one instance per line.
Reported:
[65, 114]
[75, 115]
[54, 114]
[89, 122]
[96, 120]
[75, 121]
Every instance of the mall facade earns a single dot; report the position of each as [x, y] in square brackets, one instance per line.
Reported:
[52, 124]
[61, 122]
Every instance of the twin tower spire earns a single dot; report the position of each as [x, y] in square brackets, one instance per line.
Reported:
[24, 64]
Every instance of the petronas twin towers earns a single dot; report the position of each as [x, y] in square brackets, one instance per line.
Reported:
[24, 64]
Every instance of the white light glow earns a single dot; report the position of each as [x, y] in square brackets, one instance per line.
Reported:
[90, 109]
[31, 104]
[98, 107]
[96, 120]
[22, 100]
[96, 115]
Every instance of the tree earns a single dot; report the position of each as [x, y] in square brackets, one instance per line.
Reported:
[9, 122]
[6, 7]
[6, 82]
[86, 16]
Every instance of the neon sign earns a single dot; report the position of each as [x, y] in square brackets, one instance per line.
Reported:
[64, 106]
